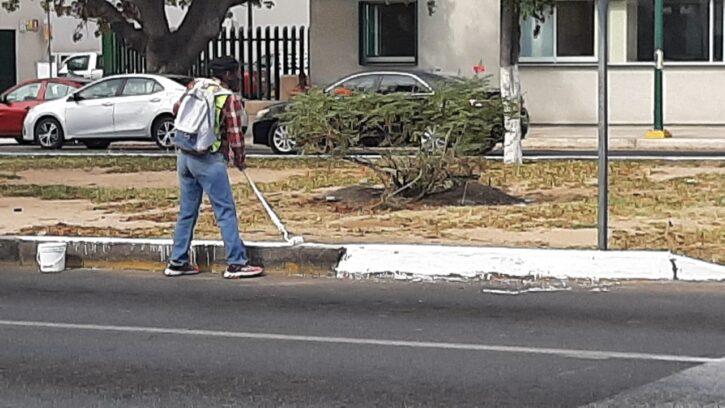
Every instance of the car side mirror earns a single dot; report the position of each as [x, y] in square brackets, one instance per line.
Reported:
[75, 97]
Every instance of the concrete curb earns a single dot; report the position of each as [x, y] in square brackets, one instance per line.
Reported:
[153, 254]
[436, 262]
[625, 143]
[419, 262]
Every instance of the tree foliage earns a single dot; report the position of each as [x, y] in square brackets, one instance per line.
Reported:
[450, 130]
[144, 26]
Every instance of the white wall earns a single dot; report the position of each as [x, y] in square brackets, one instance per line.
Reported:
[693, 95]
[284, 12]
[458, 36]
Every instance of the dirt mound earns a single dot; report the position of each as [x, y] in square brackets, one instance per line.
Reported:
[472, 193]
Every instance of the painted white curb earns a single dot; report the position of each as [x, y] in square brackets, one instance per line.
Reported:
[432, 262]
[450, 262]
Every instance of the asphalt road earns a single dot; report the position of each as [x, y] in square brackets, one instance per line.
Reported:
[95, 338]
[9, 147]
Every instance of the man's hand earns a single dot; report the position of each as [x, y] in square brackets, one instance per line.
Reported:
[241, 165]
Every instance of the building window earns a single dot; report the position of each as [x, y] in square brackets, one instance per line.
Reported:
[388, 32]
[692, 30]
[567, 34]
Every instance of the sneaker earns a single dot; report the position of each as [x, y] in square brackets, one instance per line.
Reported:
[178, 270]
[242, 271]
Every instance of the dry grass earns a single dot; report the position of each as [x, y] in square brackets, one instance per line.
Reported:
[648, 211]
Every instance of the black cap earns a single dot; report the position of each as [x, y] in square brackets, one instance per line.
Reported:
[223, 64]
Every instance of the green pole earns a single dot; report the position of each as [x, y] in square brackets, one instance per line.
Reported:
[107, 47]
[659, 62]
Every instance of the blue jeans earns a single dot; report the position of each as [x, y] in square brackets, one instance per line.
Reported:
[198, 175]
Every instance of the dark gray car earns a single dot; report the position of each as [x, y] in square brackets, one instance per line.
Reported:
[267, 130]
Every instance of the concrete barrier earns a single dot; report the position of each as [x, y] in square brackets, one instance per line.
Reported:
[419, 262]
[153, 254]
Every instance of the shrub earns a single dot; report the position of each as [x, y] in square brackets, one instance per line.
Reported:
[461, 119]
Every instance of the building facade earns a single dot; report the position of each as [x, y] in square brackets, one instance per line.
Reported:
[558, 59]
[24, 41]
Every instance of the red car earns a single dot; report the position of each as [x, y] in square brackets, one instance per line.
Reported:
[17, 101]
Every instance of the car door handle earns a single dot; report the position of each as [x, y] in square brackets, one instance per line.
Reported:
[156, 100]
[107, 104]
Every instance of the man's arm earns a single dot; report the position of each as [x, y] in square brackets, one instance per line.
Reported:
[233, 111]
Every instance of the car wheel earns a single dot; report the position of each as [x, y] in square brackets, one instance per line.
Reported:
[49, 134]
[22, 141]
[432, 141]
[280, 140]
[163, 132]
[97, 144]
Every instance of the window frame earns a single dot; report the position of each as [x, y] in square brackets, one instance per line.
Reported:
[71, 89]
[423, 85]
[392, 60]
[87, 59]
[118, 91]
[591, 61]
[125, 83]
[338, 83]
[19, 87]
[554, 59]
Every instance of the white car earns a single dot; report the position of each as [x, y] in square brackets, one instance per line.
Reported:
[121, 107]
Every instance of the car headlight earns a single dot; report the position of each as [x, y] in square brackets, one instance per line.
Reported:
[263, 112]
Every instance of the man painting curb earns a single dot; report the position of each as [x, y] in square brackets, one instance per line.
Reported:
[205, 171]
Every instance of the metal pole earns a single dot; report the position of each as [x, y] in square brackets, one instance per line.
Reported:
[250, 15]
[50, 38]
[659, 63]
[602, 211]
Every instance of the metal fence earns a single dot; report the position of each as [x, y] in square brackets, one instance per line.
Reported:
[265, 55]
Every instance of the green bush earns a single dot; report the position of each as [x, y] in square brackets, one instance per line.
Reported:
[462, 118]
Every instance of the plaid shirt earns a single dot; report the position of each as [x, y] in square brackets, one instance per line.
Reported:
[231, 129]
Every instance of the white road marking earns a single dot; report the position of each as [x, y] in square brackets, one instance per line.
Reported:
[582, 354]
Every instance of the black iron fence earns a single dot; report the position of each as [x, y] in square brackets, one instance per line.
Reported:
[265, 55]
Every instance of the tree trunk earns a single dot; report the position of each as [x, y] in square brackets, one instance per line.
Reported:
[509, 80]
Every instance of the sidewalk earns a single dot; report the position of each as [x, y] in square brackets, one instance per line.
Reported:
[684, 138]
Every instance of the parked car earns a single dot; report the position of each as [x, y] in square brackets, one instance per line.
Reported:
[18, 100]
[267, 131]
[120, 107]
[87, 65]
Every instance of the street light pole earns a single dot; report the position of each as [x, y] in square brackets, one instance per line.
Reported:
[603, 204]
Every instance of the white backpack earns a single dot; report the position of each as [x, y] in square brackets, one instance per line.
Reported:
[196, 118]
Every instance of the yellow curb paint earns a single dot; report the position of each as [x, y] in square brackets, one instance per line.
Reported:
[658, 134]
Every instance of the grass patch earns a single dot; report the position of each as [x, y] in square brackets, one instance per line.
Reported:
[653, 205]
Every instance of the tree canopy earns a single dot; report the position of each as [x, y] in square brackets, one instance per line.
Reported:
[144, 26]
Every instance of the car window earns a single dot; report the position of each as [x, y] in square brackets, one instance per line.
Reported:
[365, 83]
[55, 91]
[105, 89]
[139, 86]
[24, 93]
[401, 83]
[78, 63]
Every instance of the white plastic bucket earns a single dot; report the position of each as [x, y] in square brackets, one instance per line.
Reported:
[51, 256]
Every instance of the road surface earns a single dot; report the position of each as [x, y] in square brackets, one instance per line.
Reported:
[119, 338]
